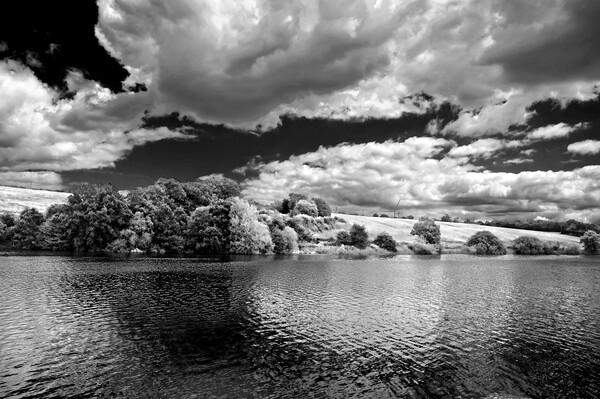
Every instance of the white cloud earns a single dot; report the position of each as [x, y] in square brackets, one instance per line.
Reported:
[39, 131]
[586, 147]
[377, 175]
[481, 148]
[552, 131]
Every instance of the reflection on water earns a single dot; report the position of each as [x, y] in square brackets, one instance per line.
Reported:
[306, 327]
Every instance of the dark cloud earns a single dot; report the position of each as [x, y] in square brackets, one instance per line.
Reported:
[54, 37]
[565, 48]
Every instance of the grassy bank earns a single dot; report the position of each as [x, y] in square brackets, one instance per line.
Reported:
[14, 199]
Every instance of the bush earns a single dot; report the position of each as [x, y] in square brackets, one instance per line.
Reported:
[486, 243]
[343, 238]
[304, 233]
[383, 215]
[572, 249]
[446, 218]
[591, 242]
[385, 241]
[428, 230]
[420, 247]
[528, 245]
[359, 236]
[375, 215]
[304, 207]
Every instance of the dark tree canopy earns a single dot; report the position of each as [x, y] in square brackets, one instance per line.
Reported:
[486, 243]
[427, 230]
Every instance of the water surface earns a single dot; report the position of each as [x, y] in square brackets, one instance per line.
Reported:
[306, 327]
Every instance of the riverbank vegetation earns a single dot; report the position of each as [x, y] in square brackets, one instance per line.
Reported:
[210, 216]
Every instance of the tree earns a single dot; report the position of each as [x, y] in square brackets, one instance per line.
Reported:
[528, 245]
[375, 215]
[208, 228]
[591, 242]
[446, 218]
[322, 207]
[248, 235]
[428, 230]
[26, 231]
[358, 236]
[385, 241]
[97, 214]
[486, 243]
[304, 207]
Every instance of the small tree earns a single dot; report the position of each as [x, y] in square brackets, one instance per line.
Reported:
[375, 215]
[528, 245]
[359, 236]
[385, 241]
[322, 207]
[343, 238]
[591, 242]
[486, 243]
[446, 218]
[428, 230]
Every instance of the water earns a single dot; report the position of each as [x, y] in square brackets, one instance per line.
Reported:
[308, 327]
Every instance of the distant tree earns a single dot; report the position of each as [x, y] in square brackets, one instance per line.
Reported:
[248, 235]
[591, 242]
[322, 207]
[208, 229]
[528, 245]
[375, 215]
[383, 215]
[304, 207]
[359, 236]
[385, 241]
[456, 220]
[410, 217]
[428, 230]
[486, 243]
[468, 221]
[446, 218]
[26, 231]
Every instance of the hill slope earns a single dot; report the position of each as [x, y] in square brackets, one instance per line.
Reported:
[14, 199]
[452, 233]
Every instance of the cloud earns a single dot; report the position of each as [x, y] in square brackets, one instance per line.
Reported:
[586, 147]
[552, 131]
[35, 179]
[40, 131]
[378, 175]
[481, 148]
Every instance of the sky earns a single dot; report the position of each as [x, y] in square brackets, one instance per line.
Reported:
[483, 109]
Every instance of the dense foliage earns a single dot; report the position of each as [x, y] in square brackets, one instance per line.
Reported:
[203, 216]
[591, 242]
[486, 243]
[427, 230]
[358, 236]
[385, 241]
[528, 245]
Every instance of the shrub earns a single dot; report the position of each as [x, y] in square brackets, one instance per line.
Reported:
[572, 249]
[446, 218]
[486, 243]
[343, 238]
[528, 245]
[420, 247]
[296, 223]
[428, 230]
[375, 215]
[304, 207]
[383, 215]
[359, 236]
[385, 241]
[591, 242]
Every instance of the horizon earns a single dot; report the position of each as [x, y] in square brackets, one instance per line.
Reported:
[482, 110]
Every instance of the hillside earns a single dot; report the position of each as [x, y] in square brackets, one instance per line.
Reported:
[14, 199]
[452, 233]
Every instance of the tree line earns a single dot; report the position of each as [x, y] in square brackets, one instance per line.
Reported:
[204, 216]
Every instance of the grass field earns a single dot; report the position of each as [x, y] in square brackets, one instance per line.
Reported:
[453, 234]
[14, 199]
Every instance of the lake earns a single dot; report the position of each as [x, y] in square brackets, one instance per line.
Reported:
[300, 327]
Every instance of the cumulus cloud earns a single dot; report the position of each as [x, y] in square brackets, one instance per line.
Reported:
[483, 148]
[40, 131]
[378, 175]
[586, 147]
